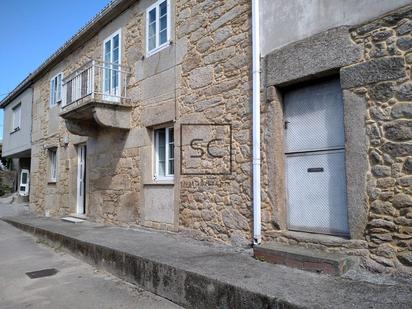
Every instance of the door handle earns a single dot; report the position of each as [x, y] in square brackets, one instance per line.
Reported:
[315, 170]
[286, 124]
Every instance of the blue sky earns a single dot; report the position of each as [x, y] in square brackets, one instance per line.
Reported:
[31, 30]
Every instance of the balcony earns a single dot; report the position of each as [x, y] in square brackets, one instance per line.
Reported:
[96, 96]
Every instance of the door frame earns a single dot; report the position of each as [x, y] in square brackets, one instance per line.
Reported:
[27, 185]
[81, 202]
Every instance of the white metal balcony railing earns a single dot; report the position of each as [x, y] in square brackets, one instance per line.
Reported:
[98, 80]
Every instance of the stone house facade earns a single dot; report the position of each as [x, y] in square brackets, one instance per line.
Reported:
[206, 63]
[127, 147]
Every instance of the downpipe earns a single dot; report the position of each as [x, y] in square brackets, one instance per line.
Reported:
[257, 228]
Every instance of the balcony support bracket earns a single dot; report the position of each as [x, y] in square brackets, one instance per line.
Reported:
[81, 128]
[87, 118]
[113, 116]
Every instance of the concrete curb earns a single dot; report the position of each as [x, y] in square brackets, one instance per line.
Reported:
[200, 275]
[182, 287]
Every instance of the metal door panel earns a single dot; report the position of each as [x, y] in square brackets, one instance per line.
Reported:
[314, 117]
[317, 192]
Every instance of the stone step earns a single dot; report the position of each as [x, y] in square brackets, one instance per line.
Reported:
[303, 258]
[72, 220]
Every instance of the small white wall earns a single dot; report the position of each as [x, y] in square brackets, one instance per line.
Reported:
[286, 21]
[19, 141]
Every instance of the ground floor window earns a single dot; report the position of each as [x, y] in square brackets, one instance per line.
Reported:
[164, 154]
[53, 164]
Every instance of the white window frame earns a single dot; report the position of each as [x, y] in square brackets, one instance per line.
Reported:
[158, 46]
[108, 96]
[15, 127]
[55, 96]
[167, 176]
[53, 164]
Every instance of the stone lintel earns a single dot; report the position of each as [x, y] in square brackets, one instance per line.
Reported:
[159, 114]
[317, 55]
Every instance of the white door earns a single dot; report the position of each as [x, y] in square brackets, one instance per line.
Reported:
[315, 159]
[111, 71]
[81, 179]
[24, 183]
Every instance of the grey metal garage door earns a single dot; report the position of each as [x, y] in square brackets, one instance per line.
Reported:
[315, 158]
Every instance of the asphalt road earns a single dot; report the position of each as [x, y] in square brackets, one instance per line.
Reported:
[76, 284]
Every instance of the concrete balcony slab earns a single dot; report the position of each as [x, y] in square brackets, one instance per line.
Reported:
[87, 115]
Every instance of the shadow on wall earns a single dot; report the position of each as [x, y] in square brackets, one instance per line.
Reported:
[112, 178]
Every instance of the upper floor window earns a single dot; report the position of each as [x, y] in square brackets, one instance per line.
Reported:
[112, 70]
[15, 126]
[164, 154]
[56, 89]
[157, 26]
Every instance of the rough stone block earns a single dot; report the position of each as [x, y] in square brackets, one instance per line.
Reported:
[404, 43]
[227, 17]
[397, 149]
[373, 71]
[405, 181]
[201, 77]
[382, 91]
[220, 55]
[404, 29]
[381, 171]
[383, 224]
[405, 258]
[399, 130]
[384, 208]
[405, 92]
[329, 50]
[407, 166]
[402, 110]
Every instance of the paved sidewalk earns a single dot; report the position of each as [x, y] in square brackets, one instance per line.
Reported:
[76, 284]
[201, 275]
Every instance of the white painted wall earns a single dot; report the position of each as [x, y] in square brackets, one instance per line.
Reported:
[286, 21]
[17, 142]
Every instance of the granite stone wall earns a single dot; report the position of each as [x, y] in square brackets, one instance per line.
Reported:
[377, 93]
[216, 89]
[384, 79]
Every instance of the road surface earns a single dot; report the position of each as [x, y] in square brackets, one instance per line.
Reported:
[76, 284]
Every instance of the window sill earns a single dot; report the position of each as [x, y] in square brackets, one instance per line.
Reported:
[51, 182]
[160, 183]
[156, 50]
